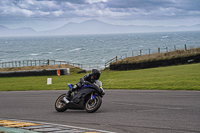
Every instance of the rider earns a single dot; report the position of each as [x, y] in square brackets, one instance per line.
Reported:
[86, 80]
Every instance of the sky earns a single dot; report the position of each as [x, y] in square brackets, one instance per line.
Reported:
[50, 14]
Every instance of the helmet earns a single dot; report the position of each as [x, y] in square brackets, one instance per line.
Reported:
[96, 73]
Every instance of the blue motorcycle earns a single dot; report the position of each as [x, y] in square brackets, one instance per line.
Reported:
[88, 98]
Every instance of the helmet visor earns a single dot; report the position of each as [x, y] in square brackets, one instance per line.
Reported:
[96, 76]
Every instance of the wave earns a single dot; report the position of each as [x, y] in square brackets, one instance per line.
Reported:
[46, 53]
[77, 49]
[34, 54]
[59, 49]
[165, 36]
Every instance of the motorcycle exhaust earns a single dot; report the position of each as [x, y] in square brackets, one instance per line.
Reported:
[65, 100]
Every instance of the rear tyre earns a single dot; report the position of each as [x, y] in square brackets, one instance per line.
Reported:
[60, 105]
[93, 105]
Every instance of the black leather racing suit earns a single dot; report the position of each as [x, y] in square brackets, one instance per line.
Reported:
[86, 80]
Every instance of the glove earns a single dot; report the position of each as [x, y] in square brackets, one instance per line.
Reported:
[87, 83]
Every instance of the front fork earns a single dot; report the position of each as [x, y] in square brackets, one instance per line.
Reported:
[92, 98]
[93, 95]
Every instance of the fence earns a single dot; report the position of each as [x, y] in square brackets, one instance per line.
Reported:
[110, 61]
[50, 62]
[35, 63]
[141, 52]
[150, 51]
[158, 63]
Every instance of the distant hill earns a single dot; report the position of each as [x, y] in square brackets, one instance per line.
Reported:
[24, 31]
[93, 27]
[98, 27]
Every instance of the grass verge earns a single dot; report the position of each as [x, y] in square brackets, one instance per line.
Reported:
[182, 77]
[159, 56]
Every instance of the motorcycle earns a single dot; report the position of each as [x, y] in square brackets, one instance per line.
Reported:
[88, 98]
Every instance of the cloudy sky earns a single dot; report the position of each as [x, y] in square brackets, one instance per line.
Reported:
[50, 14]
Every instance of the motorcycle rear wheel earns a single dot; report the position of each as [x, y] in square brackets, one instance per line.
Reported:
[60, 104]
[93, 105]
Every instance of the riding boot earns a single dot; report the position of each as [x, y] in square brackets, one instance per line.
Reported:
[68, 95]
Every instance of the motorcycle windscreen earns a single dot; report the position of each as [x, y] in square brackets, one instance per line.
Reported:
[99, 83]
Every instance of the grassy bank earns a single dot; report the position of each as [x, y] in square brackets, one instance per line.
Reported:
[182, 77]
[159, 56]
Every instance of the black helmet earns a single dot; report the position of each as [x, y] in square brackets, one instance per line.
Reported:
[96, 73]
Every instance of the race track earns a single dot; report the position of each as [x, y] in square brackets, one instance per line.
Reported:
[122, 111]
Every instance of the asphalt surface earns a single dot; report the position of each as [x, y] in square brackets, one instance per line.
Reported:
[122, 111]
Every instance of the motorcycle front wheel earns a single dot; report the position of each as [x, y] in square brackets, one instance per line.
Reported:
[60, 104]
[93, 105]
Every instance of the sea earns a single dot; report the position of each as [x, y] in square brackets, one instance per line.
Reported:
[91, 49]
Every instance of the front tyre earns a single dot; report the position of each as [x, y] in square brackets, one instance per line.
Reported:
[60, 104]
[93, 105]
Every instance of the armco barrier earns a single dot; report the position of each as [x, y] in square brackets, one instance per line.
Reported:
[35, 73]
[152, 64]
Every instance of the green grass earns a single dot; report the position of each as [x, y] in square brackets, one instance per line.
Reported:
[182, 77]
[159, 56]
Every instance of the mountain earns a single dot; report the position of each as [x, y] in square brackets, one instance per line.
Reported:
[97, 27]
[87, 27]
[24, 31]
[93, 27]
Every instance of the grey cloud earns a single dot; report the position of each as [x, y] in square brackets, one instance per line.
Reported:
[18, 10]
[141, 4]
[71, 1]
[192, 5]
[157, 9]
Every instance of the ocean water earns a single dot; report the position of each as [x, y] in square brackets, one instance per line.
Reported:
[86, 49]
